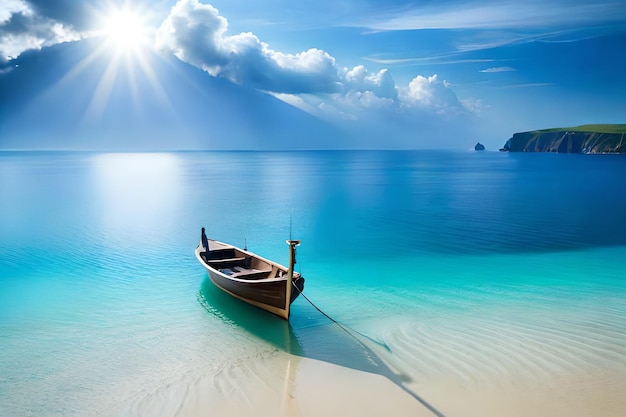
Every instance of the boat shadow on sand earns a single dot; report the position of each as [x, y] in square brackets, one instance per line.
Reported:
[308, 334]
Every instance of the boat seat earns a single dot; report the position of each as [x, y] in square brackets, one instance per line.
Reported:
[213, 261]
[226, 263]
[216, 254]
[250, 273]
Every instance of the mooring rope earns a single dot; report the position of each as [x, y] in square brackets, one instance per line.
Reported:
[344, 328]
[351, 332]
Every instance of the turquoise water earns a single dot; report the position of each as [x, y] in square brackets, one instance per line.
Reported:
[472, 266]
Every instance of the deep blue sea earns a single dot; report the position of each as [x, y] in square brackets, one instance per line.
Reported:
[464, 266]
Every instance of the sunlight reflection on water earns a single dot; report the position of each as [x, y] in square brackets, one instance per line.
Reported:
[136, 190]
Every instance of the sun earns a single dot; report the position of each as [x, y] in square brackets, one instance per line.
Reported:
[125, 30]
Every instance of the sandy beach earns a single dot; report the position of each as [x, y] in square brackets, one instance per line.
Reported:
[449, 366]
[281, 384]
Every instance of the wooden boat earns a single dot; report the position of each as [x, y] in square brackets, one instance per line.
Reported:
[251, 278]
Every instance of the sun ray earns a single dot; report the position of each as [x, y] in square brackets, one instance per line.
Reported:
[122, 57]
[100, 98]
[128, 38]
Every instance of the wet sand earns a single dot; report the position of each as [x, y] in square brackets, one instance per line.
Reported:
[281, 384]
[278, 385]
[596, 394]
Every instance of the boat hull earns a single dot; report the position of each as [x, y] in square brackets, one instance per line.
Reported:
[269, 294]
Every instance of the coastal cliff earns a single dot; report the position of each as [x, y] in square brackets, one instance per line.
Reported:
[592, 139]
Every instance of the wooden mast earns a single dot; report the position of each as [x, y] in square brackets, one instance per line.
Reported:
[292, 261]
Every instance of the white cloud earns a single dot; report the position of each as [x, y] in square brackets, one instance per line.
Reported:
[498, 69]
[429, 92]
[431, 60]
[380, 83]
[11, 7]
[22, 29]
[474, 105]
[196, 33]
[421, 89]
[364, 100]
[499, 15]
[309, 80]
[528, 85]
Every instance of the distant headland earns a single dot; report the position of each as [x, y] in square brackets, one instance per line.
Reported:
[588, 139]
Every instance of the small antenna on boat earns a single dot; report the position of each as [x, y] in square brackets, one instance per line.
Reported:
[290, 227]
[245, 244]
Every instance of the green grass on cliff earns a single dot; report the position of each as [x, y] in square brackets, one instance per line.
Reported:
[587, 128]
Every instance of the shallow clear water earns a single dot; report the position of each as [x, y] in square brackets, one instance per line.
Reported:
[476, 266]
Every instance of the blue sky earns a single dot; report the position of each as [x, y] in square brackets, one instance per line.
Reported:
[282, 74]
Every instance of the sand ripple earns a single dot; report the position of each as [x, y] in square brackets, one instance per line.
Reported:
[519, 350]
